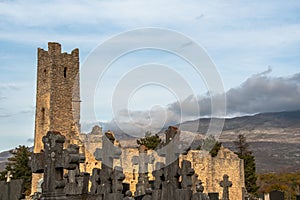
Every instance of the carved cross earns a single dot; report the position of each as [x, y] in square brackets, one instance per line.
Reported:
[158, 175]
[53, 169]
[75, 180]
[225, 184]
[143, 159]
[8, 176]
[107, 155]
[108, 152]
[199, 195]
[117, 179]
[95, 179]
[186, 172]
[173, 148]
[53, 161]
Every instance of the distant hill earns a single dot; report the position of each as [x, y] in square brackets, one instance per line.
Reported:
[274, 138]
[259, 121]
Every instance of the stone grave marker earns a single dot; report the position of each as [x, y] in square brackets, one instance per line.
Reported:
[199, 195]
[11, 190]
[276, 195]
[186, 172]
[213, 195]
[52, 163]
[225, 184]
[142, 161]
[171, 151]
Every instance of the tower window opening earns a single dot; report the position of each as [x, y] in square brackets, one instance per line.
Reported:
[43, 115]
[65, 72]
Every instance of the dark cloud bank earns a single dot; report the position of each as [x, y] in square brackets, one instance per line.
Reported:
[259, 93]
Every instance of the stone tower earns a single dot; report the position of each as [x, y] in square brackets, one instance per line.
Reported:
[57, 97]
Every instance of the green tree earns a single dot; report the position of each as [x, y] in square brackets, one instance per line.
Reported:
[18, 165]
[150, 141]
[249, 164]
[287, 182]
[211, 144]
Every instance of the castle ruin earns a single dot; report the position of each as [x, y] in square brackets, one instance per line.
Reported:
[58, 109]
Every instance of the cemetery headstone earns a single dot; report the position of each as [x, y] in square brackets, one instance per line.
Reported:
[276, 195]
[186, 172]
[225, 184]
[128, 195]
[11, 190]
[142, 161]
[148, 195]
[199, 195]
[213, 195]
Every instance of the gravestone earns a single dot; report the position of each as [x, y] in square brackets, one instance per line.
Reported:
[52, 163]
[128, 195]
[225, 184]
[186, 172]
[148, 195]
[142, 161]
[52, 166]
[8, 176]
[276, 195]
[107, 182]
[159, 178]
[109, 151]
[117, 178]
[11, 190]
[95, 179]
[172, 149]
[76, 182]
[213, 195]
[199, 195]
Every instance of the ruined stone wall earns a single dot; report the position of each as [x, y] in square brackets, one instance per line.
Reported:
[210, 171]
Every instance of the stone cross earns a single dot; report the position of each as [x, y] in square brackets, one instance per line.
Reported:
[108, 152]
[54, 184]
[142, 160]
[148, 195]
[8, 176]
[172, 149]
[107, 155]
[52, 162]
[225, 183]
[199, 195]
[95, 179]
[117, 179]
[76, 182]
[158, 174]
[128, 195]
[186, 172]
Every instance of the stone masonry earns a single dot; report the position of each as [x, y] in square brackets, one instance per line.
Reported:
[57, 97]
[58, 109]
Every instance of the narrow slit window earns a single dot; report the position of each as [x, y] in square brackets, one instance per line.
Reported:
[43, 115]
[65, 72]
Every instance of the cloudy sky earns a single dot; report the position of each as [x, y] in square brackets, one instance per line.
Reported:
[254, 45]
